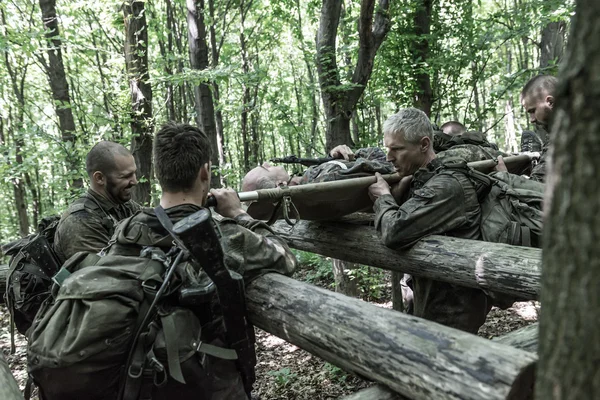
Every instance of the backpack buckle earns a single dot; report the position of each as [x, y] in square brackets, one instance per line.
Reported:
[135, 371]
[150, 286]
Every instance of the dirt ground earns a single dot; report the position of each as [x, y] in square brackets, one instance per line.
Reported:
[284, 371]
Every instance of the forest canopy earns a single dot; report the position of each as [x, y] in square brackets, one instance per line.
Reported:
[264, 79]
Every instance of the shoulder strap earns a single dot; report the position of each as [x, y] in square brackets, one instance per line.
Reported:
[483, 183]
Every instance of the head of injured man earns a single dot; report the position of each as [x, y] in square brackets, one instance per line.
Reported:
[265, 176]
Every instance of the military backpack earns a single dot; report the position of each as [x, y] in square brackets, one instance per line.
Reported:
[31, 267]
[116, 322]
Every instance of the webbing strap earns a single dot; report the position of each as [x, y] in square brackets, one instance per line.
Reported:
[170, 332]
[525, 236]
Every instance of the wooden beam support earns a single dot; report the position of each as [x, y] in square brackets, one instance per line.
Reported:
[496, 267]
[9, 389]
[525, 338]
[412, 356]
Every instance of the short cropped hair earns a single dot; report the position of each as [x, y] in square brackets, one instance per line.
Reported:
[454, 128]
[180, 150]
[539, 84]
[102, 157]
[411, 122]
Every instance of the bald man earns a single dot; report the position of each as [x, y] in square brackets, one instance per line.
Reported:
[537, 97]
[89, 222]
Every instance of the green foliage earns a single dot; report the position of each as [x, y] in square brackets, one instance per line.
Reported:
[335, 374]
[480, 54]
[283, 377]
[370, 281]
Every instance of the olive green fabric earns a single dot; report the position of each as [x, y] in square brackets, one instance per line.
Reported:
[442, 202]
[512, 211]
[83, 337]
[88, 224]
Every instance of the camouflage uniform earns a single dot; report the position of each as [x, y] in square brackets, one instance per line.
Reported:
[251, 249]
[470, 153]
[443, 203]
[367, 161]
[88, 224]
[538, 173]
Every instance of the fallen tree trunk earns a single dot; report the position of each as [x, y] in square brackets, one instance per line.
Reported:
[525, 338]
[3, 275]
[414, 357]
[9, 390]
[376, 392]
[471, 263]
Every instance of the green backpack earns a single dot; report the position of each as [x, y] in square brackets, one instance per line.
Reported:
[116, 318]
[31, 267]
[511, 212]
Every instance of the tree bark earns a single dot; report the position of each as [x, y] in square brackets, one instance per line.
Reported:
[339, 101]
[136, 59]
[471, 263]
[552, 44]
[205, 109]
[343, 281]
[376, 392]
[412, 356]
[59, 86]
[525, 338]
[9, 389]
[569, 332]
[423, 95]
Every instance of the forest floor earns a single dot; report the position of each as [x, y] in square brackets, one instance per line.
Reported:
[285, 371]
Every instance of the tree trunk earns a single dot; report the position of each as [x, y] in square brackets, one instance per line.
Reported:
[9, 389]
[525, 338]
[136, 59]
[552, 44]
[471, 263]
[339, 102]
[205, 110]
[412, 356]
[59, 86]
[423, 96]
[569, 333]
[344, 283]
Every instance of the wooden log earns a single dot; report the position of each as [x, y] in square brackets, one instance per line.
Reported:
[376, 392]
[9, 389]
[525, 338]
[3, 275]
[492, 266]
[417, 358]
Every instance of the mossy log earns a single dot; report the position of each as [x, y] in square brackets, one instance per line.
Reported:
[9, 389]
[417, 358]
[495, 267]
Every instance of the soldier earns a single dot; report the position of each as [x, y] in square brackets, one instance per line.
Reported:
[453, 128]
[182, 167]
[89, 222]
[537, 97]
[443, 203]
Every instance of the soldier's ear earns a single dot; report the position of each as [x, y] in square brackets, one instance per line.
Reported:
[550, 101]
[99, 178]
[425, 144]
[205, 172]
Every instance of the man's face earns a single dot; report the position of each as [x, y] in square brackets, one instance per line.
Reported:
[406, 157]
[120, 181]
[539, 108]
[278, 174]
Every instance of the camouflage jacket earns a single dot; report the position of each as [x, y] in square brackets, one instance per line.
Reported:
[250, 246]
[367, 161]
[470, 153]
[538, 173]
[88, 224]
[443, 203]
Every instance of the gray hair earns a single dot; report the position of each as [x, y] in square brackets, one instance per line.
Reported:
[410, 122]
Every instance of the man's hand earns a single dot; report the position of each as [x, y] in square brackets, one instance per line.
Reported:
[228, 202]
[379, 188]
[500, 166]
[342, 151]
[401, 189]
